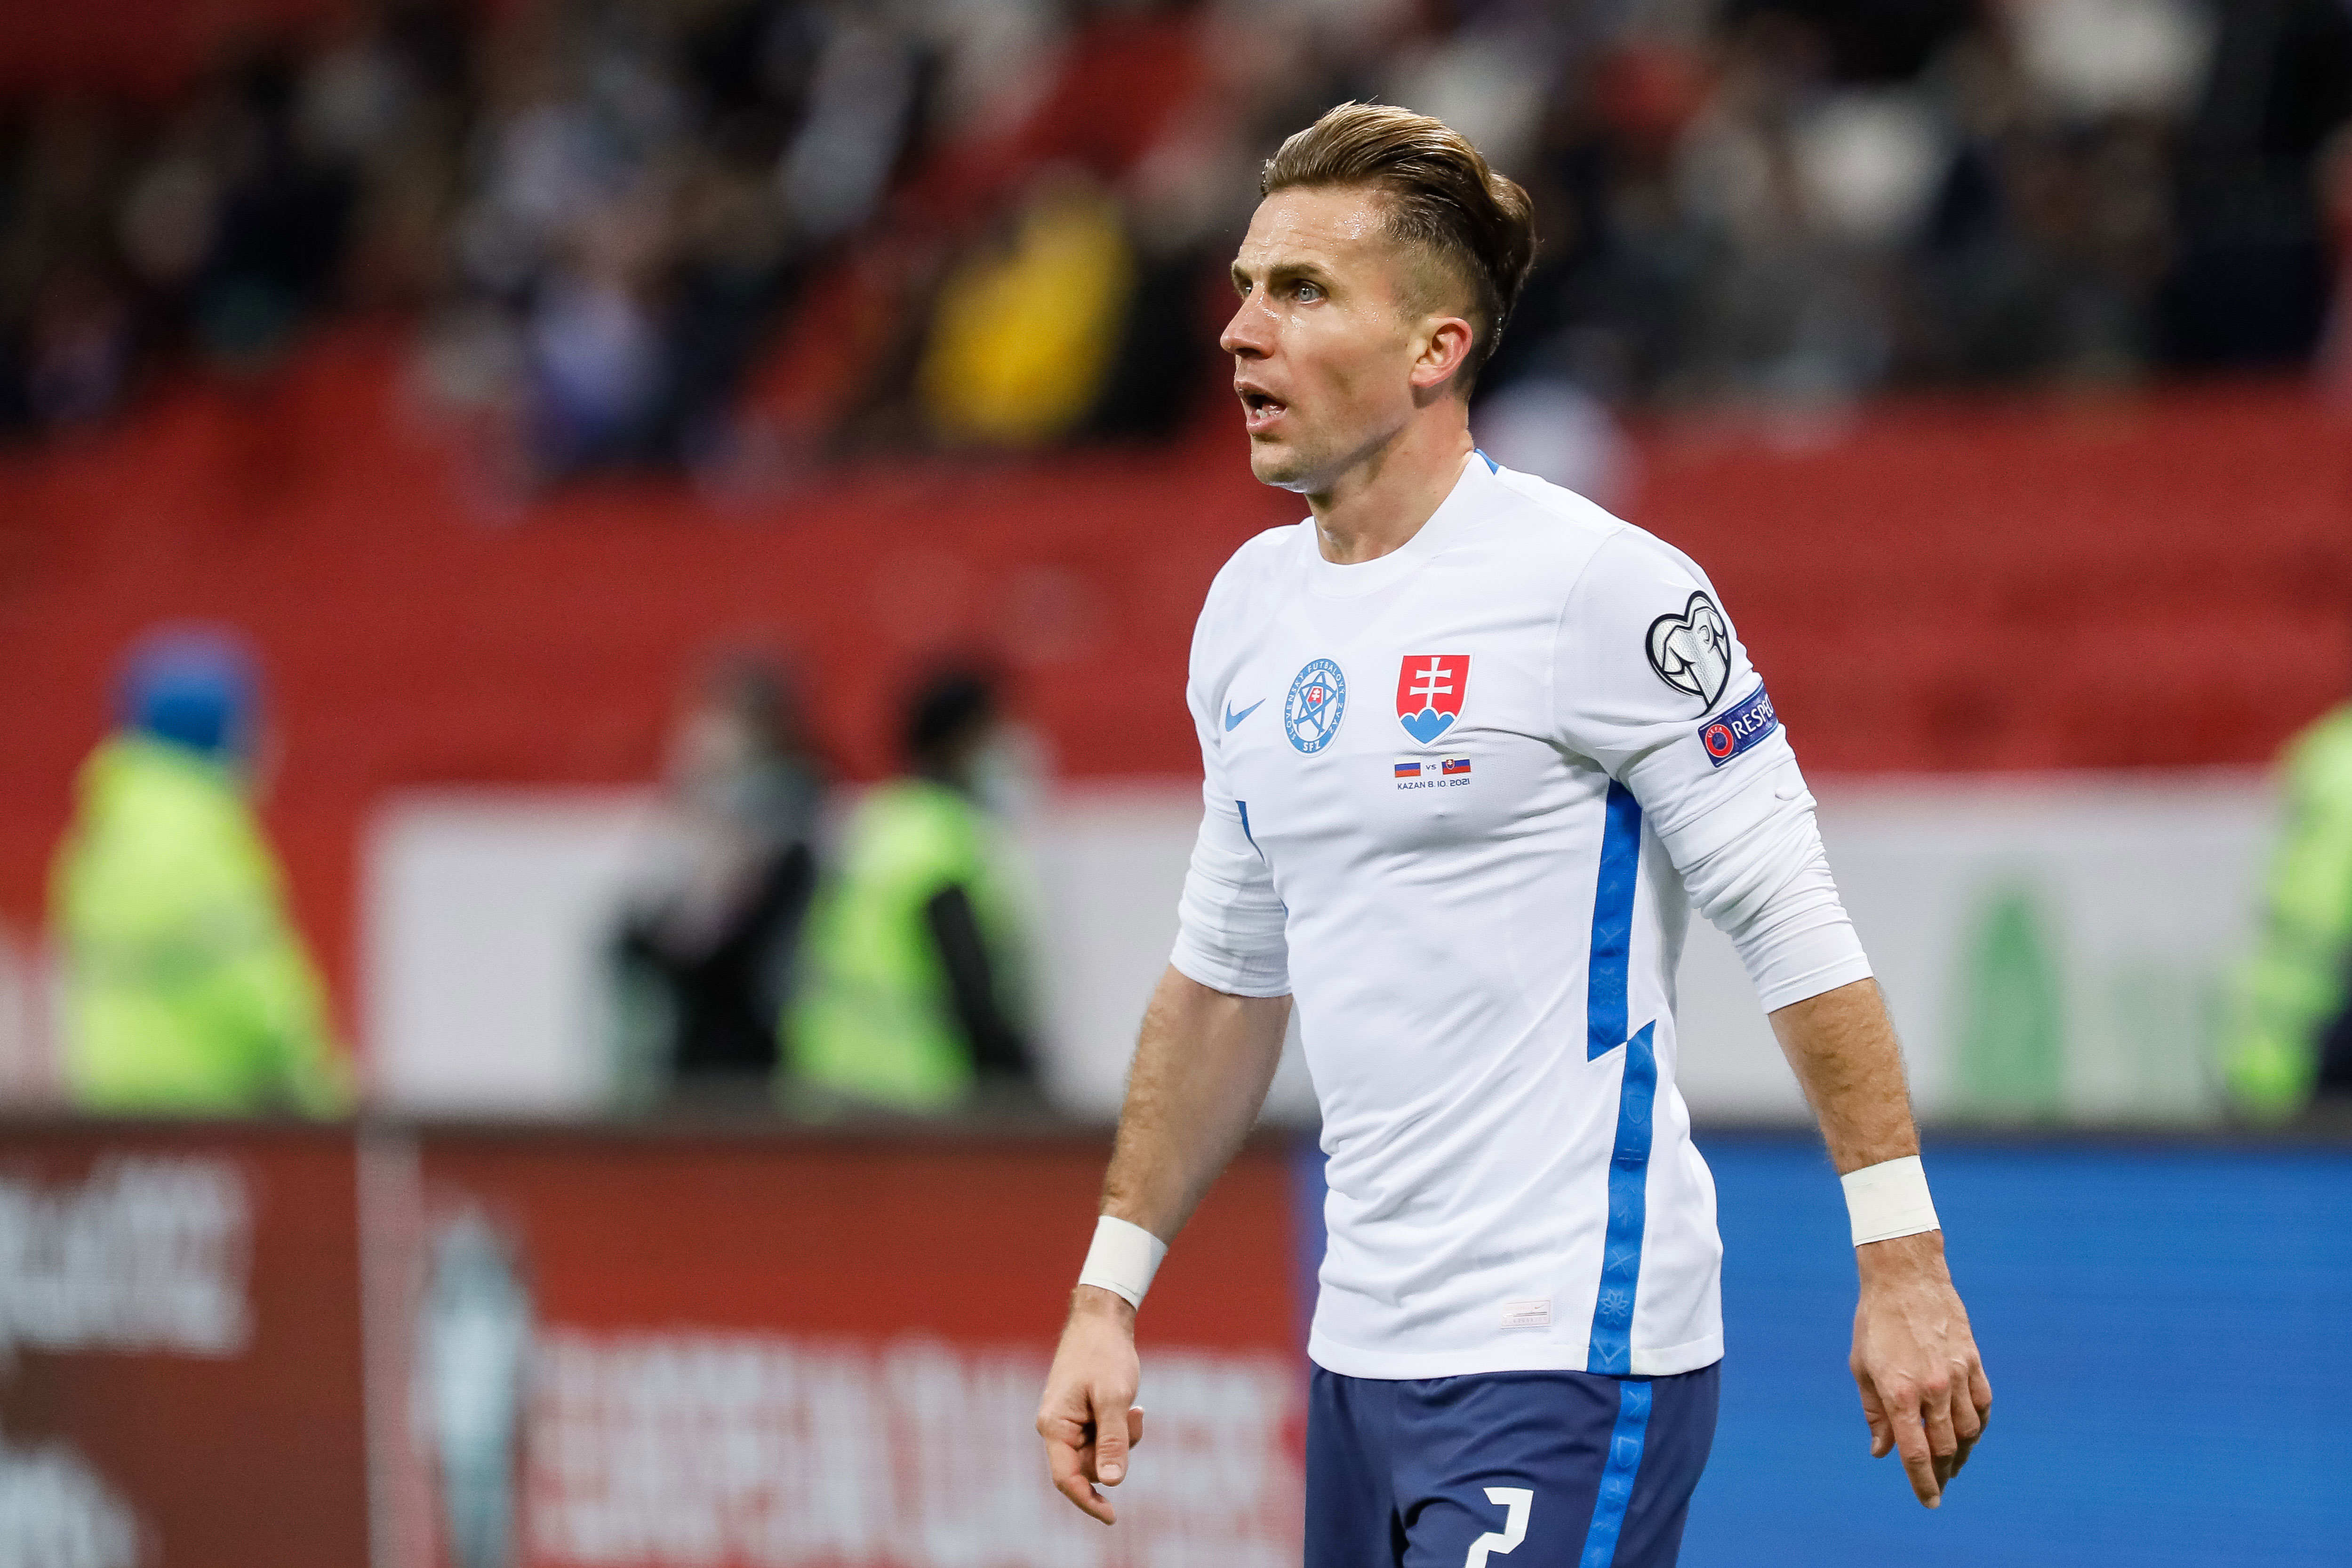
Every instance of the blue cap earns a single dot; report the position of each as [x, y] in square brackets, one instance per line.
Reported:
[195, 686]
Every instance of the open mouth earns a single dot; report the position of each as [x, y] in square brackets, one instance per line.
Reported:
[1260, 410]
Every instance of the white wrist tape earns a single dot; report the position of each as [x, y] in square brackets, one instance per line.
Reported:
[1123, 1260]
[1889, 1199]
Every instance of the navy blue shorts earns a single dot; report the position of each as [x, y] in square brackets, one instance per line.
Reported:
[1507, 1469]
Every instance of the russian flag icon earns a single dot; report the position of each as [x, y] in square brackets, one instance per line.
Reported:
[1408, 770]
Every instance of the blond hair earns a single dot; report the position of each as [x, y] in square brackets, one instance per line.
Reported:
[1441, 200]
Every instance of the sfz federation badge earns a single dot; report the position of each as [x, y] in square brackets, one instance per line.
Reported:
[1692, 652]
[1318, 701]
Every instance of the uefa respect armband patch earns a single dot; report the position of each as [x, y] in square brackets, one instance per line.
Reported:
[1739, 727]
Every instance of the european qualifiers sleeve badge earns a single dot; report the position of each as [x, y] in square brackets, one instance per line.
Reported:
[1318, 701]
[1692, 652]
[1430, 688]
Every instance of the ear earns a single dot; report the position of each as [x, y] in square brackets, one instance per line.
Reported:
[1445, 347]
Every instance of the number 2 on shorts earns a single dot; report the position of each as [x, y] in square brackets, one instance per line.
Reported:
[1518, 1499]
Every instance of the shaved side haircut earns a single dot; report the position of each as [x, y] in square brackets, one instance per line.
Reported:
[1466, 220]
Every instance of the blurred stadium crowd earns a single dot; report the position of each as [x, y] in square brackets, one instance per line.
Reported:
[702, 233]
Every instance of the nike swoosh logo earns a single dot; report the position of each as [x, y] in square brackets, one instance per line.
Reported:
[1232, 719]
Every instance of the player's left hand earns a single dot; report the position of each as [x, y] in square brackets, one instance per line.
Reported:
[1923, 1385]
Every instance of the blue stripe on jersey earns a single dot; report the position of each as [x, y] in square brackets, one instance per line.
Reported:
[1617, 1476]
[1492, 467]
[1606, 1015]
[1612, 925]
[1612, 1348]
[1244, 807]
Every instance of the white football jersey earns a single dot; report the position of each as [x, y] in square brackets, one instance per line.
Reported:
[1460, 802]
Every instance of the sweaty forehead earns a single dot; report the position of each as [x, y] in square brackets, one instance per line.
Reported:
[1334, 230]
[1343, 233]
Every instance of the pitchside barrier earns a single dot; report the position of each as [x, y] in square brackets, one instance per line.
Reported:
[484, 1347]
[2058, 948]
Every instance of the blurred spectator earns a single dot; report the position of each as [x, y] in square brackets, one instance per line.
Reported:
[912, 996]
[2050, 230]
[645, 183]
[2334, 364]
[2293, 1029]
[1552, 427]
[2333, 361]
[65, 324]
[1023, 337]
[706, 952]
[187, 989]
[280, 221]
[2251, 285]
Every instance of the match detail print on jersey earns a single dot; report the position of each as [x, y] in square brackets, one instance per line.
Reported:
[1318, 701]
[1430, 689]
[1692, 652]
[1449, 772]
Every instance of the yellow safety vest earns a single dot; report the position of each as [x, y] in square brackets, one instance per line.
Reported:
[873, 1019]
[2294, 985]
[187, 988]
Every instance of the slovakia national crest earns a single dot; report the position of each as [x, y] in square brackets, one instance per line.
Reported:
[1318, 701]
[1429, 693]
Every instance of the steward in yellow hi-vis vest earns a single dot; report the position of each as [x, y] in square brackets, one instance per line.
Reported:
[187, 990]
[2293, 1034]
[910, 988]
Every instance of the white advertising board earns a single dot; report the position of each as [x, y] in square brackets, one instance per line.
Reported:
[485, 916]
[2054, 949]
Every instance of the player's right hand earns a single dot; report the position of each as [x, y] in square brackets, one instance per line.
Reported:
[1088, 1416]
[1924, 1390]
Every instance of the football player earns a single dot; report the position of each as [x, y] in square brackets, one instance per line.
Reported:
[1478, 898]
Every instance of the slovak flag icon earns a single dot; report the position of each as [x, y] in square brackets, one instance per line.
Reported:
[1429, 693]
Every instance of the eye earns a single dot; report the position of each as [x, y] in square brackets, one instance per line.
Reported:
[1307, 293]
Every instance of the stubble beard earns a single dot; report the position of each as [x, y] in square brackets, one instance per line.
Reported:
[1314, 467]
[1283, 466]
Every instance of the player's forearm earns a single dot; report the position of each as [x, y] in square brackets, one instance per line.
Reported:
[1201, 1072]
[1842, 1044]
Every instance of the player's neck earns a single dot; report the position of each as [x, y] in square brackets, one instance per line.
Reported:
[1383, 500]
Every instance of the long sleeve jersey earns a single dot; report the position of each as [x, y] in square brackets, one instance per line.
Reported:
[1460, 802]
